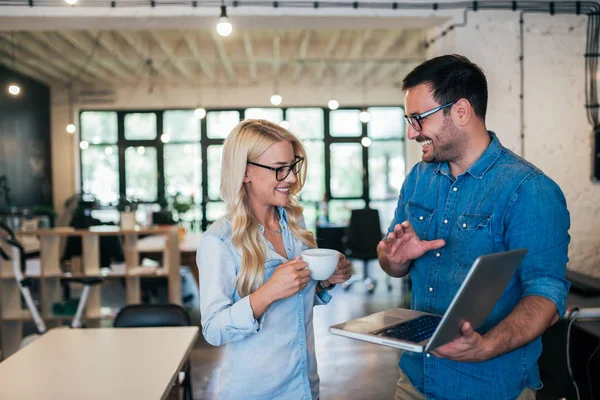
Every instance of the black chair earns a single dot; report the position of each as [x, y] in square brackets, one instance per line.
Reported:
[364, 234]
[157, 315]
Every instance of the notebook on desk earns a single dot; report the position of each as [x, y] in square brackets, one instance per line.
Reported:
[418, 331]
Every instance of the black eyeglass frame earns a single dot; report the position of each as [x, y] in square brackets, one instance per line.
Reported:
[290, 168]
[417, 118]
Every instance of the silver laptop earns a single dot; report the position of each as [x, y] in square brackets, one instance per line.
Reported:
[418, 331]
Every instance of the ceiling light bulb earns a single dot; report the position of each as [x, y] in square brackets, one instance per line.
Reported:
[84, 145]
[108, 151]
[71, 2]
[333, 104]
[366, 142]
[71, 128]
[276, 99]
[224, 27]
[199, 113]
[364, 117]
[165, 137]
[14, 89]
[141, 150]
[285, 124]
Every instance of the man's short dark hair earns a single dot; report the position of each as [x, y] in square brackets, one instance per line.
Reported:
[452, 77]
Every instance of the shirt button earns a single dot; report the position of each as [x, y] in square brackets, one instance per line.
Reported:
[428, 355]
[464, 225]
[421, 218]
[289, 249]
[437, 254]
[454, 189]
[445, 221]
[431, 289]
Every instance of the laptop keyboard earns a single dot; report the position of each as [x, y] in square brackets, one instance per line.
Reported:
[415, 330]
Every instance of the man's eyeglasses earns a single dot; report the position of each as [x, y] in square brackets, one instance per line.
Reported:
[282, 172]
[415, 120]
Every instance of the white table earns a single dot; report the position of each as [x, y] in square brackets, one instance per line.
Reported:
[104, 363]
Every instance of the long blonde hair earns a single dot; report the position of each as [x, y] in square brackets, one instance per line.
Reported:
[246, 142]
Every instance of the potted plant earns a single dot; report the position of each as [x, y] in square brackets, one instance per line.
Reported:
[126, 207]
[45, 216]
[181, 205]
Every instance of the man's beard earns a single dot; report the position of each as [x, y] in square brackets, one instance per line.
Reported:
[449, 145]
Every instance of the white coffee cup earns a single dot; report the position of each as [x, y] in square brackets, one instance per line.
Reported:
[321, 262]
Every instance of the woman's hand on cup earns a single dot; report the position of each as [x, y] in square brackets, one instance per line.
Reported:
[289, 278]
[342, 273]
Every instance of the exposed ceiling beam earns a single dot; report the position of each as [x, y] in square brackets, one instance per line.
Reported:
[30, 70]
[108, 44]
[223, 56]
[413, 49]
[250, 55]
[328, 51]
[357, 48]
[383, 49]
[302, 52]
[192, 45]
[60, 46]
[136, 43]
[173, 59]
[40, 51]
[85, 45]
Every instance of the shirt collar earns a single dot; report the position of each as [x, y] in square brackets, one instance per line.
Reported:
[483, 163]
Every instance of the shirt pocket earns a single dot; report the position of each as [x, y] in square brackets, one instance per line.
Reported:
[473, 238]
[419, 217]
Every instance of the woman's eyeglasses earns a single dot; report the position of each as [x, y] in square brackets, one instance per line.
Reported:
[282, 172]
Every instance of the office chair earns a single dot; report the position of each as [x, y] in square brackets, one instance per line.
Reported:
[364, 234]
[157, 315]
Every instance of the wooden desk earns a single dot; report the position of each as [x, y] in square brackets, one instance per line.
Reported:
[105, 363]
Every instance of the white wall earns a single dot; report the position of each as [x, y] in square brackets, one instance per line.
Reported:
[558, 137]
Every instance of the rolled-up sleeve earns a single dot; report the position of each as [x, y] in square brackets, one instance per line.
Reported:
[538, 219]
[322, 298]
[223, 320]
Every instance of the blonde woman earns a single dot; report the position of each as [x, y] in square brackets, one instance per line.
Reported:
[256, 294]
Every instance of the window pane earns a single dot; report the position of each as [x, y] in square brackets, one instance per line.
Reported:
[310, 215]
[386, 169]
[340, 210]
[182, 170]
[181, 125]
[99, 127]
[214, 154]
[220, 123]
[306, 123]
[107, 215]
[141, 174]
[346, 170]
[274, 115]
[192, 220]
[314, 187]
[386, 123]
[100, 172]
[386, 212]
[140, 126]
[345, 123]
[215, 210]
